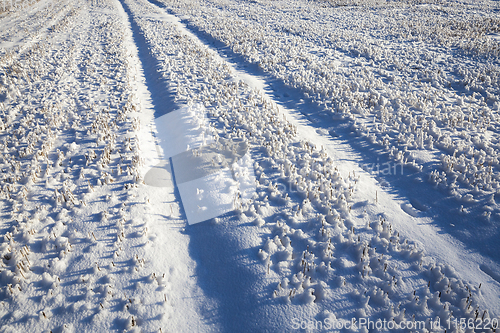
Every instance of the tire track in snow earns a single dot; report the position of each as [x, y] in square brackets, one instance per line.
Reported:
[441, 246]
[165, 212]
[161, 96]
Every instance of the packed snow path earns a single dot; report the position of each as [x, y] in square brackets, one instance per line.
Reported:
[94, 241]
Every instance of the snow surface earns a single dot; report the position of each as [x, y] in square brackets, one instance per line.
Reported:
[249, 166]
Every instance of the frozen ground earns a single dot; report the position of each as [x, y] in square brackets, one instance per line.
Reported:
[249, 166]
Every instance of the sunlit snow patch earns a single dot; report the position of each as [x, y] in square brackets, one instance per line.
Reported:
[182, 129]
[213, 177]
[208, 197]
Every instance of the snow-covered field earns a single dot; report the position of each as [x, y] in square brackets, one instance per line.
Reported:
[249, 166]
